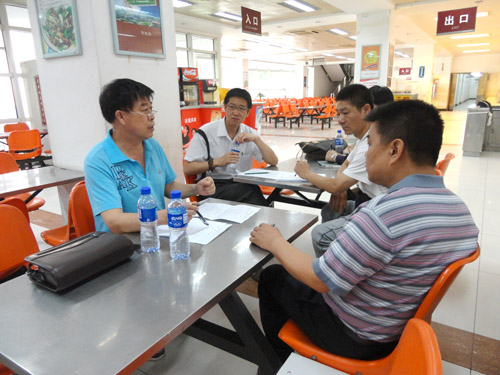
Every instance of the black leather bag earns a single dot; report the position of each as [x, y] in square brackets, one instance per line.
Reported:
[316, 150]
[66, 265]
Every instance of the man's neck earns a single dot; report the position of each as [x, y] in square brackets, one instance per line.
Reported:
[131, 147]
[362, 131]
[231, 130]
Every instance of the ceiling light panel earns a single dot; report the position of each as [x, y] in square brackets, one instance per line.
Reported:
[181, 3]
[228, 16]
[473, 45]
[339, 31]
[476, 51]
[469, 36]
[299, 6]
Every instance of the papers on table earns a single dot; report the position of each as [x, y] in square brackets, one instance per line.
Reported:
[199, 232]
[229, 212]
[273, 175]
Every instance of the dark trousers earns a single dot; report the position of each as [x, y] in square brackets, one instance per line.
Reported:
[239, 192]
[282, 297]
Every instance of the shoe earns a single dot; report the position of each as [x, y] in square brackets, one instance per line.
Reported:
[158, 355]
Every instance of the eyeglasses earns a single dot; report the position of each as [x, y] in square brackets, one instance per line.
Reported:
[148, 113]
[233, 107]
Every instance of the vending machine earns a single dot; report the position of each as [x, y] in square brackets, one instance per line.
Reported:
[188, 86]
[208, 91]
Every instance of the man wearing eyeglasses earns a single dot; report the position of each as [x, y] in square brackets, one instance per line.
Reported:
[222, 135]
[128, 159]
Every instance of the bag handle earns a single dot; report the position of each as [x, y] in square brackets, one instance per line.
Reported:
[204, 136]
[68, 245]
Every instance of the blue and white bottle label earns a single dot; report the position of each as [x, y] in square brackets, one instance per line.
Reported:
[177, 220]
[148, 214]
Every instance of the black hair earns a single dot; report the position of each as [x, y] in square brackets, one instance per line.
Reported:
[416, 123]
[357, 95]
[381, 95]
[239, 93]
[122, 94]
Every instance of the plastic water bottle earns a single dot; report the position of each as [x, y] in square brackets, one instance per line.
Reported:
[148, 216]
[177, 222]
[231, 168]
[339, 142]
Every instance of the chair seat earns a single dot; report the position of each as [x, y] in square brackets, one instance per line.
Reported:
[58, 236]
[4, 370]
[33, 204]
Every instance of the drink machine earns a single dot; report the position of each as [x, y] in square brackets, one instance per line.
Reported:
[208, 91]
[188, 86]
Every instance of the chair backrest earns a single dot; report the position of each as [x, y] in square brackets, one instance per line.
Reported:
[256, 164]
[81, 210]
[13, 127]
[417, 352]
[17, 240]
[19, 203]
[441, 285]
[442, 165]
[7, 163]
[25, 144]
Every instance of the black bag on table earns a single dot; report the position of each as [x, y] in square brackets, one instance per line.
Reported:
[70, 263]
[316, 150]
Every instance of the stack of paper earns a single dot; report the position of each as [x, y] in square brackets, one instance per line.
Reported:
[199, 232]
[273, 175]
[229, 212]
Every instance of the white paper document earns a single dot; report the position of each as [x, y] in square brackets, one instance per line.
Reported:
[229, 212]
[273, 175]
[198, 232]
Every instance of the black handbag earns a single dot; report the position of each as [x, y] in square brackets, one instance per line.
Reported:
[70, 263]
[316, 150]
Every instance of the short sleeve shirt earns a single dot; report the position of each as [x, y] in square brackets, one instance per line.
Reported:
[220, 144]
[114, 181]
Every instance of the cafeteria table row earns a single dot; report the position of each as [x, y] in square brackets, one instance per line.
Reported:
[115, 322]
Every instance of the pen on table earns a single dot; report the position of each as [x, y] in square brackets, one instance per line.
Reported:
[256, 173]
[202, 217]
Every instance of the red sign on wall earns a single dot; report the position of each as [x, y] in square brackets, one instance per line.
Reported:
[251, 21]
[456, 21]
[404, 71]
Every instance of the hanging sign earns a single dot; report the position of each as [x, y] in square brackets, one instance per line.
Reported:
[251, 21]
[404, 71]
[456, 21]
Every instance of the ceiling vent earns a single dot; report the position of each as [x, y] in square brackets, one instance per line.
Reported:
[304, 32]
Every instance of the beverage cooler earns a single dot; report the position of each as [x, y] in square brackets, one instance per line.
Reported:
[208, 91]
[188, 86]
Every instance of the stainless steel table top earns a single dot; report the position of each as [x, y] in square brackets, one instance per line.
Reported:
[288, 166]
[36, 179]
[116, 321]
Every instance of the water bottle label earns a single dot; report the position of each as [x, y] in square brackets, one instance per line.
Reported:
[147, 214]
[339, 141]
[177, 220]
[235, 150]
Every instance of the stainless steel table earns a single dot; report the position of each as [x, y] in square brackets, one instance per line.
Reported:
[297, 187]
[36, 179]
[117, 321]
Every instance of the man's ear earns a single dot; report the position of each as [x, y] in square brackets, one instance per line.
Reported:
[119, 116]
[365, 110]
[396, 150]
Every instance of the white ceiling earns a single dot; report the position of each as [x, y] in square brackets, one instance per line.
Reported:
[284, 29]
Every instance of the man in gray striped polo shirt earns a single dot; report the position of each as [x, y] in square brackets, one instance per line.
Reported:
[355, 300]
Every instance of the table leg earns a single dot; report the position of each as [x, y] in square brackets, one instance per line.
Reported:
[247, 341]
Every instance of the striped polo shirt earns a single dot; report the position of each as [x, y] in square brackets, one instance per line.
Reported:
[391, 251]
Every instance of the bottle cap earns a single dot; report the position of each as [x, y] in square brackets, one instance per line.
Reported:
[145, 190]
[339, 131]
[175, 194]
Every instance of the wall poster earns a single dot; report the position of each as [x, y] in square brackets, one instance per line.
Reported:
[137, 27]
[370, 62]
[59, 31]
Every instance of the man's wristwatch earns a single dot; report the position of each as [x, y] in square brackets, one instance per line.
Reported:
[211, 164]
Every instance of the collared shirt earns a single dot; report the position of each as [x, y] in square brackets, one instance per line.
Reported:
[220, 143]
[357, 168]
[114, 181]
[390, 252]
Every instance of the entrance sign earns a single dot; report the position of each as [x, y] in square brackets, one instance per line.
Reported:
[456, 21]
[251, 21]
[404, 71]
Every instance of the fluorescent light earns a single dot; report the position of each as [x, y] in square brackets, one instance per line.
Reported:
[476, 74]
[300, 49]
[468, 36]
[351, 59]
[340, 57]
[328, 54]
[300, 6]
[477, 50]
[339, 31]
[473, 45]
[228, 16]
[181, 3]
[399, 53]
[353, 37]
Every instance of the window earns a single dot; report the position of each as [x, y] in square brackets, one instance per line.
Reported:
[196, 51]
[16, 46]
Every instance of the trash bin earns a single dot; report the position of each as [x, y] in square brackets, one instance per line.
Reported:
[475, 128]
[492, 134]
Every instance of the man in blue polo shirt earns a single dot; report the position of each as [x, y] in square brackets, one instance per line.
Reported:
[128, 159]
[355, 300]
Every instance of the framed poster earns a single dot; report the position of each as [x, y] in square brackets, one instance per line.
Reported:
[59, 31]
[370, 62]
[137, 27]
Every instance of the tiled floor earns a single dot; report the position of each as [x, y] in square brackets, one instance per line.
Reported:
[470, 306]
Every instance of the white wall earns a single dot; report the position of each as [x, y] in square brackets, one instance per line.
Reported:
[486, 63]
[71, 86]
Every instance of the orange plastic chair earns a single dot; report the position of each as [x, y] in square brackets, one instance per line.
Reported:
[417, 353]
[278, 116]
[293, 118]
[191, 179]
[442, 165]
[267, 190]
[17, 240]
[19, 204]
[326, 116]
[7, 165]
[26, 146]
[12, 127]
[296, 339]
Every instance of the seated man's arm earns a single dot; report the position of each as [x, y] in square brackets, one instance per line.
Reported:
[205, 186]
[298, 264]
[196, 167]
[122, 222]
[267, 152]
[335, 186]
